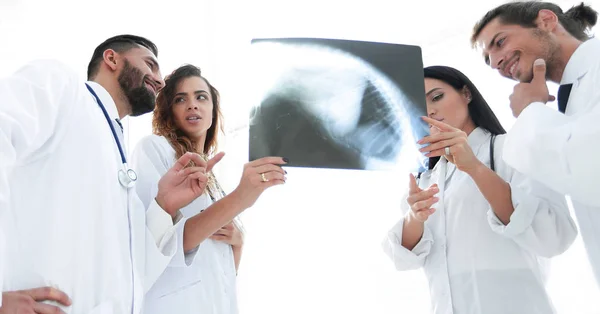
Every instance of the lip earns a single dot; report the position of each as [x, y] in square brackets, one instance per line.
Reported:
[509, 70]
[193, 121]
[151, 86]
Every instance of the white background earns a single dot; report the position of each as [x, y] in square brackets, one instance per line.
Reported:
[313, 244]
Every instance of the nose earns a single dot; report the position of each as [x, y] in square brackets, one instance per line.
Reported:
[158, 80]
[430, 112]
[496, 61]
[192, 105]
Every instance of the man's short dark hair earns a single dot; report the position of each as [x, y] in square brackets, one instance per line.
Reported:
[576, 20]
[119, 44]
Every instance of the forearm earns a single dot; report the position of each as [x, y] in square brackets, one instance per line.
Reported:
[412, 232]
[495, 190]
[203, 225]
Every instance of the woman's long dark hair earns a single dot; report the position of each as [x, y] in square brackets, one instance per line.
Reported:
[479, 110]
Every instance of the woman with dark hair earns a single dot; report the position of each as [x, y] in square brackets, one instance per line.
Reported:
[201, 277]
[481, 231]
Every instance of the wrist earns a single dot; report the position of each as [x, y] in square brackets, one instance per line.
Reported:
[162, 203]
[236, 198]
[476, 169]
[412, 219]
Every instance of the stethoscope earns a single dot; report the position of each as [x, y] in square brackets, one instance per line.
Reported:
[126, 175]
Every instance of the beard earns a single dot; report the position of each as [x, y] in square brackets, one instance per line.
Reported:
[140, 98]
[549, 52]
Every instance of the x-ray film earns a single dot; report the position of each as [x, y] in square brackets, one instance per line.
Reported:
[327, 103]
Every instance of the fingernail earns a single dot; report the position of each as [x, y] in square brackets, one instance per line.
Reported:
[284, 171]
[285, 159]
[539, 62]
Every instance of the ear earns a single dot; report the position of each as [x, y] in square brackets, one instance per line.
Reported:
[109, 57]
[467, 94]
[547, 20]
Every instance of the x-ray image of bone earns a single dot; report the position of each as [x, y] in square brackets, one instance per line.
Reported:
[326, 107]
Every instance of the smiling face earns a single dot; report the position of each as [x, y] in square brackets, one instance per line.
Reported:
[444, 103]
[140, 80]
[512, 49]
[192, 108]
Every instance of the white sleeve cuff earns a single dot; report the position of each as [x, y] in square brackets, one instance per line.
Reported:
[525, 207]
[159, 221]
[181, 258]
[403, 258]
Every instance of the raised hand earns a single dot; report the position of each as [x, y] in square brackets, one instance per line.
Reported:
[258, 176]
[535, 91]
[449, 140]
[181, 185]
[420, 201]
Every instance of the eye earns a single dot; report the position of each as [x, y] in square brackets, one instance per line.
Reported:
[437, 97]
[178, 100]
[202, 97]
[500, 42]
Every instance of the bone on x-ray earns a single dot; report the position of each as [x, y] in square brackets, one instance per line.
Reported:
[326, 103]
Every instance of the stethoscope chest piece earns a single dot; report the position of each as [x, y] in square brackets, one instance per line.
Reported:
[127, 178]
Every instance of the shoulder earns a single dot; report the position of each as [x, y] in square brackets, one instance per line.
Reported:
[48, 77]
[499, 140]
[48, 67]
[154, 144]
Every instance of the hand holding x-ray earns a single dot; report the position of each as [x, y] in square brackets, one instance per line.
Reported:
[338, 104]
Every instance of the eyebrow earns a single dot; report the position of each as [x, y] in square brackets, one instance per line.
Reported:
[201, 91]
[433, 90]
[153, 61]
[491, 44]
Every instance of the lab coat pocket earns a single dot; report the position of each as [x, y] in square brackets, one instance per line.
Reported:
[181, 289]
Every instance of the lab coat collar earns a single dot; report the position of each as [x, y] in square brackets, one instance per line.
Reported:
[578, 63]
[106, 99]
[477, 137]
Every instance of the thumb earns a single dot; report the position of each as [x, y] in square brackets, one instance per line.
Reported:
[539, 71]
[413, 187]
[213, 161]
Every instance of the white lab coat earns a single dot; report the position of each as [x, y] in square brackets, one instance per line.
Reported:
[69, 223]
[202, 280]
[473, 262]
[561, 150]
